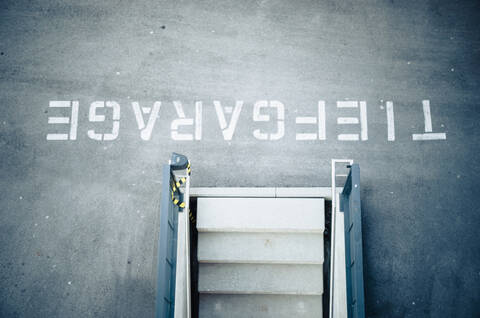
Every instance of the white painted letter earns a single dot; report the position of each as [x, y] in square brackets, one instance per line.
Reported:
[72, 120]
[353, 120]
[183, 121]
[146, 130]
[230, 129]
[390, 122]
[93, 117]
[280, 119]
[313, 120]
[428, 135]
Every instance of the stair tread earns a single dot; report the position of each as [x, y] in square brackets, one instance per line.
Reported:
[260, 214]
[285, 248]
[259, 306]
[261, 279]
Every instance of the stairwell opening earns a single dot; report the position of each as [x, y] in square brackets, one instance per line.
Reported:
[305, 193]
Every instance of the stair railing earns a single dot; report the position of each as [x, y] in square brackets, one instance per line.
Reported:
[335, 199]
[173, 282]
[351, 207]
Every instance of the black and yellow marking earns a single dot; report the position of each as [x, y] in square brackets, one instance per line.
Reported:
[192, 218]
[180, 182]
[176, 201]
[176, 187]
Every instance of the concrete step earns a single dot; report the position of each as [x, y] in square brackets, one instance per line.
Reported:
[260, 279]
[260, 215]
[279, 248]
[259, 306]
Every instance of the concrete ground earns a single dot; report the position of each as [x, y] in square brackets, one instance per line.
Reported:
[79, 217]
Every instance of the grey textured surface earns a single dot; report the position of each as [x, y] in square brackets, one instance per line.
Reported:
[95, 253]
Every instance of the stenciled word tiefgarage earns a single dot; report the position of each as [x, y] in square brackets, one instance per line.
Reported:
[227, 116]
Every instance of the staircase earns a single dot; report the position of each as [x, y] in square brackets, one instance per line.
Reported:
[260, 257]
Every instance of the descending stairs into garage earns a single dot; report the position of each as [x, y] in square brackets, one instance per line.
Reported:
[260, 257]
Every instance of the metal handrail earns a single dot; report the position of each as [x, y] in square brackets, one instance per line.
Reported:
[187, 244]
[185, 310]
[351, 207]
[174, 206]
[332, 231]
